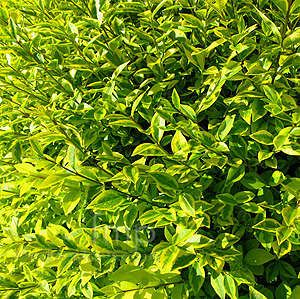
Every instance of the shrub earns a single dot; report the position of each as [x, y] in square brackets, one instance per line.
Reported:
[150, 149]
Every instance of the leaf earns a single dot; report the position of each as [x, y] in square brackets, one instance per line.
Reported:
[119, 70]
[87, 290]
[282, 5]
[272, 94]
[230, 287]
[283, 233]
[268, 23]
[196, 276]
[136, 103]
[189, 112]
[238, 146]
[65, 264]
[225, 127]
[107, 200]
[7, 281]
[36, 146]
[255, 294]
[268, 225]
[187, 203]
[164, 180]
[257, 256]
[264, 155]
[244, 196]
[126, 122]
[12, 28]
[291, 148]
[176, 99]
[289, 214]
[168, 257]
[158, 7]
[71, 157]
[148, 149]
[70, 201]
[263, 137]
[252, 180]
[291, 40]
[227, 198]
[51, 180]
[295, 6]
[206, 139]
[217, 282]
[296, 293]
[156, 122]
[179, 143]
[287, 270]
[150, 216]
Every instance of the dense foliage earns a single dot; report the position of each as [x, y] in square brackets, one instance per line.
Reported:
[150, 149]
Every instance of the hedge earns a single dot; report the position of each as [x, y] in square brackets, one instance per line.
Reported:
[150, 149]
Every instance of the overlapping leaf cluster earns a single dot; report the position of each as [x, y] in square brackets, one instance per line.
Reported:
[149, 149]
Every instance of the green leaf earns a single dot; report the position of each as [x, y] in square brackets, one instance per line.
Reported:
[268, 225]
[268, 23]
[179, 143]
[87, 290]
[255, 294]
[252, 180]
[50, 181]
[283, 233]
[272, 94]
[70, 201]
[148, 149]
[158, 7]
[282, 5]
[196, 276]
[263, 137]
[136, 103]
[287, 270]
[168, 257]
[8, 281]
[217, 282]
[36, 146]
[156, 122]
[291, 148]
[238, 146]
[65, 264]
[291, 40]
[176, 99]
[296, 293]
[295, 6]
[289, 214]
[244, 196]
[257, 256]
[189, 112]
[107, 200]
[225, 127]
[227, 198]
[206, 139]
[187, 203]
[12, 28]
[264, 155]
[119, 70]
[230, 287]
[164, 180]
[150, 216]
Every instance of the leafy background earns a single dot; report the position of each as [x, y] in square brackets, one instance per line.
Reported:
[149, 149]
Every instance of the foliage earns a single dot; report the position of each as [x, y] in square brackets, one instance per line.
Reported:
[150, 149]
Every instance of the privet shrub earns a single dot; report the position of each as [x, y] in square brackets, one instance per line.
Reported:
[150, 149]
